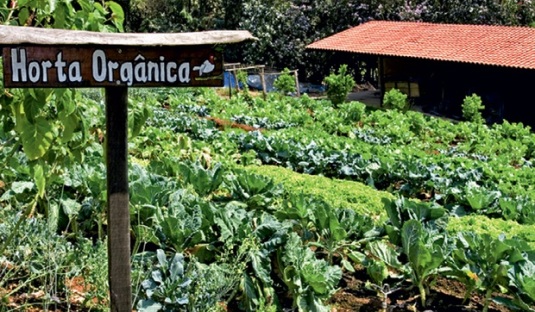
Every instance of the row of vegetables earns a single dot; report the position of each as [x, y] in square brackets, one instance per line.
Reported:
[461, 172]
[210, 234]
[293, 245]
[465, 167]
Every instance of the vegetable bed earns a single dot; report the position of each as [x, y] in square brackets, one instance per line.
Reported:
[281, 204]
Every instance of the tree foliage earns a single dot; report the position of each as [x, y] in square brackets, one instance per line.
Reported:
[51, 126]
[285, 27]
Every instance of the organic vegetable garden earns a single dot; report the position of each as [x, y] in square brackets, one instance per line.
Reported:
[276, 204]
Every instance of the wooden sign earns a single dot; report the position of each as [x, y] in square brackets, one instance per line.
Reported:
[56, 58]
[105, 66]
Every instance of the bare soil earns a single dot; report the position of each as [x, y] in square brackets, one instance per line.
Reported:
[446, 296]
[353, 296]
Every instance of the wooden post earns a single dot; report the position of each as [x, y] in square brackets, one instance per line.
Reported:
[229, 88]
[263, 80]
[381, 77]
[236, 80]
[118, 201]
[55, 58]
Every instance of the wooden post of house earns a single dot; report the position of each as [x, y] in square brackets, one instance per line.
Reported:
[54, 58]
[381, 78]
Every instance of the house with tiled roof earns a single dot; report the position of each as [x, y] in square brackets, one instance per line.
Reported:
[437, 65]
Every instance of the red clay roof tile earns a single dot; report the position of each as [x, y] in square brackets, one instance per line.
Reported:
[479, 44]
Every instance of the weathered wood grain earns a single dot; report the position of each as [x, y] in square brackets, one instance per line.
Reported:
[17, 35]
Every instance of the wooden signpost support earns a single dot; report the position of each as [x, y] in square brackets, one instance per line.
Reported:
[53, 58]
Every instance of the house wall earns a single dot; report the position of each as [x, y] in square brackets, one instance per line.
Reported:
[442, 86]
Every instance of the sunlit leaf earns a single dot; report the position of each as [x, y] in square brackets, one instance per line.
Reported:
[21, 187]
[40, 180]
[37, 138]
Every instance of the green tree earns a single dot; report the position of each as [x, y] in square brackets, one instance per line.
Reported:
[177, 15]
[50, 125]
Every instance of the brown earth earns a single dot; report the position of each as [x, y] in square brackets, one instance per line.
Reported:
[353, 296]
[446, 296]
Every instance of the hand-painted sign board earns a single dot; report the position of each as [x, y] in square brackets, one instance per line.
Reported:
[55, 58]
[105, 66]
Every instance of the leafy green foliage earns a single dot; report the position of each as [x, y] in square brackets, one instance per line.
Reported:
[335, 192]
[340, 233]
[167, 287]
[310, 281]
[175, 15]
[479, 198]
[522, 276]
[255, 190]
[427, 252]
[402, 210]
[396, 99]
[139, 114]
[383, 259]
[204, 180]
[183, 224]
[285, 83]
[204, 287]
[37, 258]
[190, 195]
[482, 263]
[54, 126]
[352, 112]
[472, 107]
[339, 85]
[443, 170]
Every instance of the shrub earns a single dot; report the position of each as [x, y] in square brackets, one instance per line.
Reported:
[472, 107]
[285, 83]
[242, 80]
[339, 85]
[396, 99]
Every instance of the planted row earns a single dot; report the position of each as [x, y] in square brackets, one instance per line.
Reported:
[299, 245]
[459, 166]
[459, 187]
